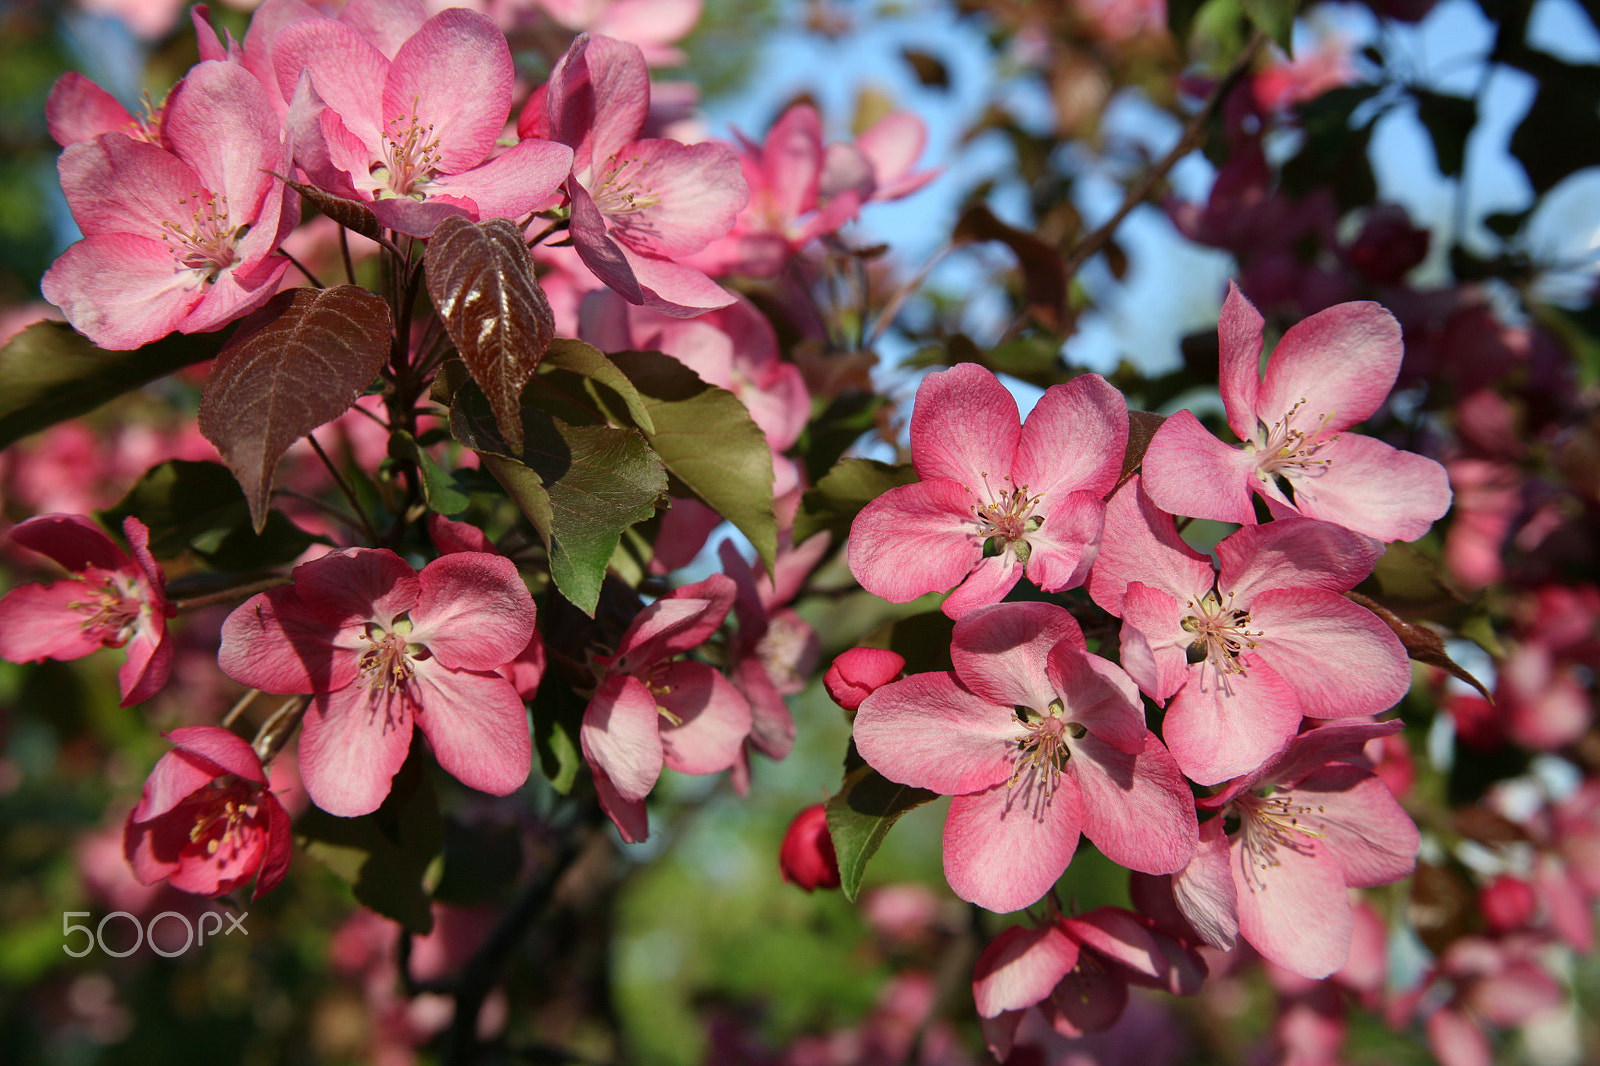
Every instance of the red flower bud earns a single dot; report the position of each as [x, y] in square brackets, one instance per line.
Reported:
[806, 857]
[859, 672]
[1508, 903]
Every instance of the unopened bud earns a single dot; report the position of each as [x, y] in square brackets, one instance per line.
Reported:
[860, 672]
[806, 857]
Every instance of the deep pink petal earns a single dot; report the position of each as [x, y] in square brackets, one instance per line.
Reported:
[965, 427]
[628, 815]
[1239, 342]
[79, 110]
[74, 541]
[989, 582]
[357, 585]
[1090, 999]
[344, 68]
[155, 581]
[1021, 967]
[714, 718]
[1120, 936]
[1188, 471]
[1293, 907]
[1067, 545]
[1373, 840]
[929, 732]
[450, 537]
[277, 847]
[1005, 847]
[1294, 553]
[229, 752]
[1074, 439]
[455, 75]
[477, 726]
[1339, 364]
[274, 642]
[220, 121]
[1140, 543]
[1373, 488]
[915, 539]
[1222, 726]
[39, 622]
[149, 663]
[180, 773]
[681, 620]
[1204, 889]
[1137, 809]
[598, 98]
[621, 735]
[791, 159]
[474, 612]
[120, 290]
[674, 289]
[1000, 651]
[352, 743]
[1340, 659]
[668, 199]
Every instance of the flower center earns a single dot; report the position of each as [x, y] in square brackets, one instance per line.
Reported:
[205, 244]
[1043, 750]
[111, 607]
[1272, 822]
[1222, 634]
[224, 826]
[410, 157]
[620, 190]
[1006, 520]
[1288, 452]
[389, 662]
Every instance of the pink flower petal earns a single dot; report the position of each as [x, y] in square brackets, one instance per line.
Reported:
[274, 642]
[220, 122]
[1339, 363]
[1239, 342]
[476, 725]
[1219, 728]
[39, 622]
[791, 160]
[621, 735]
[673, 199]
[965, 427]
[388, 24]
[1137, 809]
[1154, 641]
[915, 539]
[346, 71]
[681, 620]
[1294, 553]
[1293, 907]
[513, 183]
[474, 612]
[1188, 471]
[674, 289]
[628, 815]
[352, 743]
[1204, 892]
[149, 664]
[454, 75]
[1337, 656]
[71, 540]
[929, 732]
[1067, 545]
[79, 110]
[1140, 543]
[1000, 651]
[1074, 439]
[1021, 967]
[278, 846]
[1005, 847]
[120, 290]
[714, 716]
[357, 585]
[1364, 829]
[598, 99]
[989, 582]
[1100, 697]
[1373, 488]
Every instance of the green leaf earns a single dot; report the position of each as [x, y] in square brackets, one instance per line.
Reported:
[49, 373]
[1449, 120]
[199, 507]
[841, 494]
[828, 436]
[580, 486]
[591, 363]
[1275, 18]
[860, 816]
[706, 438]
[440, 489]
[557, 717]
[385, 855]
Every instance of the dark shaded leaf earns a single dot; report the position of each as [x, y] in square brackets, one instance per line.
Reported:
[840, 495]
[1420, 642]
[300, 361]
[50, 372]
[557, 717]
[439, 488]
[848, 417]
[929, 69]
[1142, 426]
[198, 507]
[481, 860]
[1449, 120]
[351, 214]
[1044, 276]
[480, 276]
[591, 363]
[860, 815]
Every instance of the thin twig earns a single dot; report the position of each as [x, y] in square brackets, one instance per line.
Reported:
[233, 592]
[891, 310]
[301, 267]
[344, 487]
[275, 732]
[239, 706]
[344, 253]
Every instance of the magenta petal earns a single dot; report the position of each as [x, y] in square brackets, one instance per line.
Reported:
[929, 732]
[1373, 488]
[1204, 892]
[1137, 809]
[79, 110]
[1021, 967]
[1140, 543]
[965, 427]
[278, 846]
[477, 727]
[1074, 439]
[356, 585]
[1005, 847]
[74, 541]
[1188, 471]
[1340, 363]
[1294, 553]
[999, 652]
[148, 666]
[915, 539]
[1294, 911]
[989, 582]
[40, 622]
[681, 620]
[1373, 840]
[230, 753]
[1239, 340]
[1219, 728]
[621, 734]
[454, 74]
[714, 719]
[474, 612]
[1340, 659]
[352, 743]
[178, 774]
[273, 642]
[599, 98]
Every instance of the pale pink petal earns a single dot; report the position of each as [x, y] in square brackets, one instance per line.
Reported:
[1074, 439]
[219, 121]
[791, 159]
[513, 183]
[1294, 553]
[1204, 892]
[74, 541]
[1293, 906]
[771, 725]
[1188, 471]
[1067, 545]
[386, 23]
[115, 184]
[352, 743]
[1222, 726]
[677, 622]
[356, 585]
[1373, 488]
[988, 583]
[455, 75]
[1100, 697]
[79, 110]
[1364, 829]
[598, 98]
[1021, 967]
[1457, 1040]
[1140, 543]
[674, 289]
[673, 199]
[713, 718]
[965, 427]
[1005, 847]
[1239, 342]
[1137, 809]
[1154, 641]
[346, 71]
[323, 147]
[628, 815]
[119, 290]
[621, 734]
[476, 725]
[474, 612]
[1339, 364]
[39, 622]
[893, 144]
[1000, 651]
[915, 539]
[929, 732]
[1315, 748]
[1337, 656]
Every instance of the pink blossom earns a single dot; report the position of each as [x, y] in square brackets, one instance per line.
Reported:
[1328, 373]
[525, 671]
[996, 499]
[638, 205]
[859, 672]
[413, 136]
[1310, 825]
[109, 601]
[806, 857]
[1038, 741]
[651, 711]
[79, 110]
[384, 648]
[207, 822]
[1246, 651]
[178, 236]
[654, 25]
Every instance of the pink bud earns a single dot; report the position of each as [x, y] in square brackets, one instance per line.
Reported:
[806, 857]
[1508, 903]
[860, 672]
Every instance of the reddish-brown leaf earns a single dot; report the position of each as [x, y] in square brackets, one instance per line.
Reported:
[480, 276]
[1142, 426]
[300, 361]
[1421, 643]
[1044, 272]
[351, 214]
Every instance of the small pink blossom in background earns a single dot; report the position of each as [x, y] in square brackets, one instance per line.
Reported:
[181, 235]
[1247, 650]
[414, 137]
[1284, 82]
[1038, 741]
[806, 858]
[859, 672]
[651, 710]
[109, 601]
[997, 499]
[207, 822]
[384, 648]
[1329, 372]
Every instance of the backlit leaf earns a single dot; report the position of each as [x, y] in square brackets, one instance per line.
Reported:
[860, 816]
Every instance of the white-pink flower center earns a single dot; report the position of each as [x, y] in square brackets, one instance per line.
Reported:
[410, 158]
[621, 189]
[389, 662]
[205, 244]
[1043, 750]
[111, 607]
[1222, 634]
[1006, 520]
[1283, 450]
[1270, 824]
